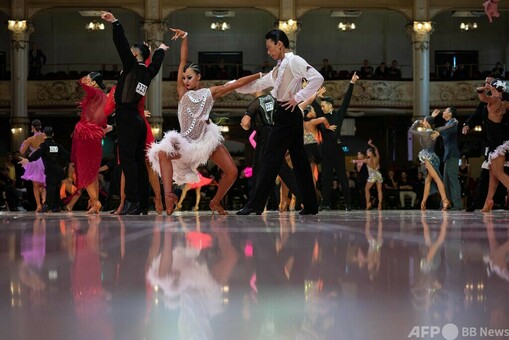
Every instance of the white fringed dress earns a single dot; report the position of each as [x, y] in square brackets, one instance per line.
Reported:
[198, 138]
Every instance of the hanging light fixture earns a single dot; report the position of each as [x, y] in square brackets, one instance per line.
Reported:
[289, 26]
[346, 26]
[220, 26]
[422, 27]
[17, 26]
[95, 26]
[468, 26]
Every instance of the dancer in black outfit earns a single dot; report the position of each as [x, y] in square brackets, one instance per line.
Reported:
[132, 86]
[259, 115]
[333, 157]
[53, 155]
[480, 117]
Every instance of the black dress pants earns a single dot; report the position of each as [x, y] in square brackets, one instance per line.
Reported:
[285, 172]
[132, 132]
[333, 158]
[287, 134]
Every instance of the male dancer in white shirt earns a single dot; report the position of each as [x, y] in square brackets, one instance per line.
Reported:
[286, 79]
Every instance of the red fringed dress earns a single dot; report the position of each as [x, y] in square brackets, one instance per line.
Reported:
[86, 152]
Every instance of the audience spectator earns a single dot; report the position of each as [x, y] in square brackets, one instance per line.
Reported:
[326, 69]
[406, 189]
[8, 193]
[265, 67]
[460, 73]
[381, 71]
[393, 72]
[447, 72]
[391, 190]
[419, 187]
[36, 59]
[366, 71]
[498, 70]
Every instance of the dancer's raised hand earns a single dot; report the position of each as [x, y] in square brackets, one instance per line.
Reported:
[178, 33]
[107, 16]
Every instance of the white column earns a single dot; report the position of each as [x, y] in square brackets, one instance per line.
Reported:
[19, 73]
[155, 30]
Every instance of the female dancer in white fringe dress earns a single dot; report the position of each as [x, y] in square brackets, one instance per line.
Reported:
[179, 154]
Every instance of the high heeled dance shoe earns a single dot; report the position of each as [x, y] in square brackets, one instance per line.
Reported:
[446, 205]
[170, 200]
[488, 205]
[95, 207]
[215, 206]
[158, 203]
[423, 206]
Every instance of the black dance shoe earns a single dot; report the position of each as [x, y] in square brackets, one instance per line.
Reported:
[248, 211]
[324, 207]
[130, 208]
[308, 211]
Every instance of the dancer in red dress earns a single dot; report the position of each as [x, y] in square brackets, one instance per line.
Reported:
[86, 151]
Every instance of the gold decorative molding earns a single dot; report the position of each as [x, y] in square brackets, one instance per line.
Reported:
[372, 95]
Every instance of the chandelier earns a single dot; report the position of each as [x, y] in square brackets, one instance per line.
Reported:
[346, 26]
[289, 26]
[220, 26]
[95, 26]
[469, 26]
[17, 26]
[422, 27]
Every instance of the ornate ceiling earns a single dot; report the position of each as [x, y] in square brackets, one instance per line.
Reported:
[282, 9]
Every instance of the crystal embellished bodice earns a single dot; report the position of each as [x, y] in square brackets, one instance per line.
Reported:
[193, 112]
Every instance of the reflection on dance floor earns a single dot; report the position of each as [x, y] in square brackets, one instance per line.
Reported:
[337, 275]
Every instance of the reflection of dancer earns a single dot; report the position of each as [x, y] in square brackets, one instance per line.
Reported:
[86, 283]
[88, 133]
[497, 259]
[33, 251]
[374, 175]
[189, 284]
[34, 171]
[179, 154]
[429, 158]
[432, 266]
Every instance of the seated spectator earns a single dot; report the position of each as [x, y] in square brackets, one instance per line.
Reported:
[447, 72]
[498, 70]
[265, 67]
[460, 73]
[381, 71]
[8, 193]
[391, 190]
[419, 187]
[326, 69]
[393, 72]
[406, 189]
[366, 71]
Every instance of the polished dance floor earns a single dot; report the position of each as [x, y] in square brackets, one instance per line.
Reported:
[399, 274]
